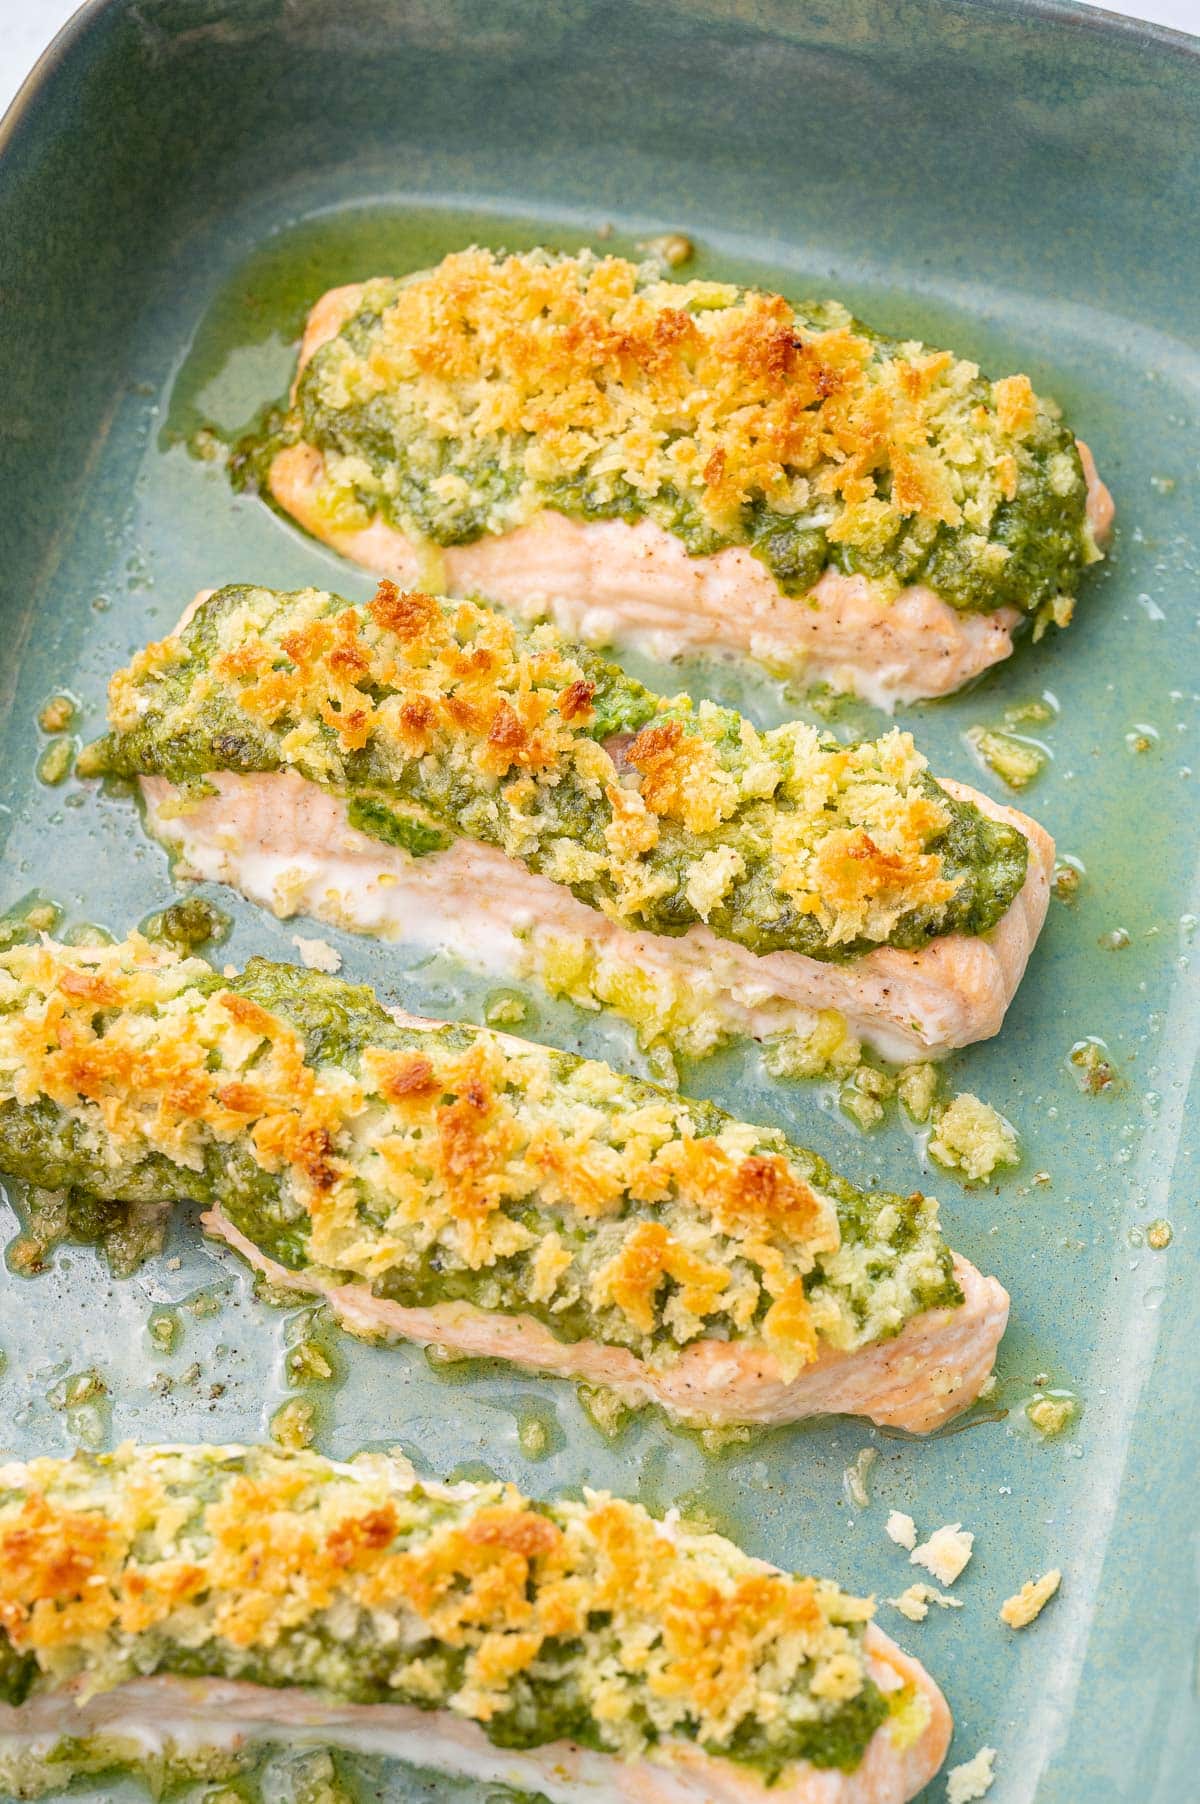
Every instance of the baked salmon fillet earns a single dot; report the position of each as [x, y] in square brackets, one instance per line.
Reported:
[686, 467]
[164, 1601]
[434, 771]
[452, 1186]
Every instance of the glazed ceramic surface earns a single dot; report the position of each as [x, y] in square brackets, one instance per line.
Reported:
[179, 180]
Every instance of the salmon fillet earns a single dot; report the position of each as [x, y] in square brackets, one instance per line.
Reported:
[454, 1186]
[428, 770]
[185, 1716]
[933, 1369]
[286, 844]
[636, 584]
[578, 1598]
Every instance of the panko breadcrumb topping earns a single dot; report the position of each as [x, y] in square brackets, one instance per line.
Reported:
[355, 1579]
[431, 1162]
[439, 718]
[465, 398]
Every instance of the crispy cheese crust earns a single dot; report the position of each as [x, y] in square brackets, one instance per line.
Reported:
[464, 399]
[438, 719]
[437, 1163]
[588, 1620]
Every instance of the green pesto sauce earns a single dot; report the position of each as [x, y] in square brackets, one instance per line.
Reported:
[17, 1673]
[1044, 533]
[544, 1707]
[425, 796]
[397, 827]
[187, 925]
[337, 1020]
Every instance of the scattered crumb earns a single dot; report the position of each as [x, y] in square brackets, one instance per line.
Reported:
[917, 1089]
[1094, 1070]
[605, 1409]
[1050, 1415]
[856, 1475]
[901, 1529]
[1021, 1609]
[946, 1552]
[1159, 1235]
[174, 1263]
[57, 714]
[1031, 713]
[672, 248]
[293, 1426]
[57, 761]
[972, 1137]
[307, 1364]
[205, 444]
[506, 1008]
[164, 1330]
[915, 1601]
[533, 1437]
[866, 1094]
[317, 955]
[43, 917]
[1066, 882]
[972, 1779]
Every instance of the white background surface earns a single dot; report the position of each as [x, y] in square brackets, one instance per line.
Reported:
[27, 26]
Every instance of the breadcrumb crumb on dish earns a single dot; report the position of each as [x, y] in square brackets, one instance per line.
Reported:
[901, 1529]
[946, 1552]
[317, 955]
[1027, 1604]
[914, 1601]
[974, 1138]
[972, 1780]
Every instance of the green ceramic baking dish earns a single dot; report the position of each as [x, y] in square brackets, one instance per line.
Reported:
[179, 178]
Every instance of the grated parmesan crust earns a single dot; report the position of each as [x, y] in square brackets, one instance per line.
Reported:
[443, 718]
[356, 1579]
[463, 399]
[426, 1161]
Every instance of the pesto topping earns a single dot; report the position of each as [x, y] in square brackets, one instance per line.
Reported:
[444, 1163]
[535, 1621]
[437, 718]
[464, 399]
[29, 1769]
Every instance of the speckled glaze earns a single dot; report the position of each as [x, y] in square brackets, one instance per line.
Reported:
[179, 178]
